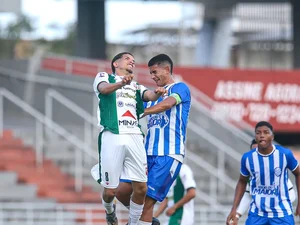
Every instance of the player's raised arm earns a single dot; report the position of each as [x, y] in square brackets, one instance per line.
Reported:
[107, 88]
[150, 95]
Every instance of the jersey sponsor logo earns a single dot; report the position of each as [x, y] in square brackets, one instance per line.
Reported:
[266, 190]
[158, 121]
[128, 104]
[102, 74]
[128, 114]
[128, 123]
[120, 104]
[124, 95]
[127, 87]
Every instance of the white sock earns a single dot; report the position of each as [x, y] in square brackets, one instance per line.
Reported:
[135, 212]
[108, 206]
[144, 223]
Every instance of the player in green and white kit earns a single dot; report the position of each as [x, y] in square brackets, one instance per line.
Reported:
[121, 149]
[180, 199]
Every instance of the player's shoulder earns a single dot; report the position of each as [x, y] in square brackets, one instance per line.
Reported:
[282, 149]
[102, 75]
[249, 153]
[181, 85]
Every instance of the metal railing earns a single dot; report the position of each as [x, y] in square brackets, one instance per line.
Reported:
[50, 213]
[74, 108]
[43, 123]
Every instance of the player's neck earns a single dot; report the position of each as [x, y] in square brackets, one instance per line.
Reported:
[266, 151]
[122, 73]
[170, 81]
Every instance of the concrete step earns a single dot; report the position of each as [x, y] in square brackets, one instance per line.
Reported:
[18, 192]
[8, 178]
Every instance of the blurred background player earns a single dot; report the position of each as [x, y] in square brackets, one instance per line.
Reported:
[180, 200]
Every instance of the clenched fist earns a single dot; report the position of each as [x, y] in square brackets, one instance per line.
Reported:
[160, 91]
[127, 79]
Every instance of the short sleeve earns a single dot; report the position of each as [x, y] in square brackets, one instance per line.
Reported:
[244, 171]
[292, 162]
[142, 89]
[187, 177]
[182, 90]
[100, 77]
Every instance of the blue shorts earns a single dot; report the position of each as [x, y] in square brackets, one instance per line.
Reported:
[162, 171]
[261, 220]
[125, 181]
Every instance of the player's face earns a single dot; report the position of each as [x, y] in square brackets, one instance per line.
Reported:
[160, 74]
[264, 137]
[126, 63]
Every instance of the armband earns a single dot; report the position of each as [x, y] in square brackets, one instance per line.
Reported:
[177, 98]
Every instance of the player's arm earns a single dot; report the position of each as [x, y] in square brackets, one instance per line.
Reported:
[162, 206]
[190, 194]
[239, 192]
[107, 88]
[164, 105]
[150, 95]
[244, 204]
[296, 173]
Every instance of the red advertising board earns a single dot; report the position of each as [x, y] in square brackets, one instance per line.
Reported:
[251, 95]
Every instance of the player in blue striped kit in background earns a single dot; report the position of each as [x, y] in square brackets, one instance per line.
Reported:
[267, 166]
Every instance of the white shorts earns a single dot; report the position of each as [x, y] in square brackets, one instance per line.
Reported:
[122, 156]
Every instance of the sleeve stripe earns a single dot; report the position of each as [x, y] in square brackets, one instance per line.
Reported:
[296, 166]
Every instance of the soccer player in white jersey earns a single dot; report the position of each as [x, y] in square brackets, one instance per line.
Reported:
[180, 199]
[121, 149]
[246, 200]
[267, 167]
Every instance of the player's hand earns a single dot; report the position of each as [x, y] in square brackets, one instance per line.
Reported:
[127, 79]
[170, 211]
[232, 219]
[160, 91]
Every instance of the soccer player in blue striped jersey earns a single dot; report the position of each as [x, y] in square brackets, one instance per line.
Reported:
[166, 133]
[267, 167]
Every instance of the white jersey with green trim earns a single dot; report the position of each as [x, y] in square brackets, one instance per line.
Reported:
[184, 181]
[119, 112]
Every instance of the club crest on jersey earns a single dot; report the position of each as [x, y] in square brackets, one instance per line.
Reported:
[120, 104]
[158, 121]
[277, 171]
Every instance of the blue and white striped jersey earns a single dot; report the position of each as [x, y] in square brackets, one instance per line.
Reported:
[167, 130]
[269, 181]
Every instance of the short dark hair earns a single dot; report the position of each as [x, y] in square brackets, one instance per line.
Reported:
[118, 56]
[253, 142]
[264, 123]
[161, 58]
